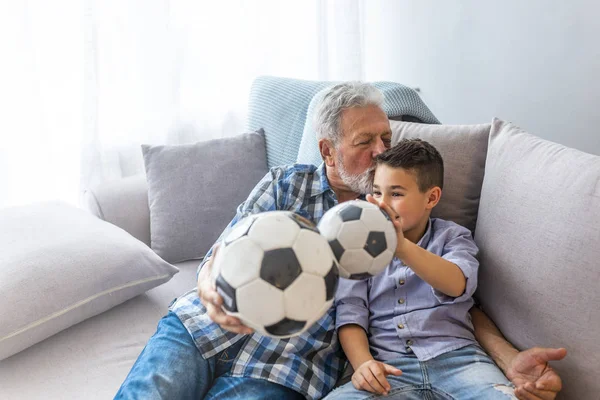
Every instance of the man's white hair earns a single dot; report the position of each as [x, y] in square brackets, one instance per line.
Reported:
[337, 99]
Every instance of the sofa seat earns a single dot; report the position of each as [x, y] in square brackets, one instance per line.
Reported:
[90, 360]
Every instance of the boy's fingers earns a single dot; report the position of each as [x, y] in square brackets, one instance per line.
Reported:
[373, 382]
[361, 383]
[378, 372]
[389, 370]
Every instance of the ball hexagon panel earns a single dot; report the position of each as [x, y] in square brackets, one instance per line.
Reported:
[240, 229]
[374, 218]
[262, 303]
[330, 224]
[280, 267]
[353, 235]
[286, 327]
[237, 270]
[305, 297]
[355, 261]
[313, 252]
[381, 262]
[274, 230]
[350, 212]
[391, 237]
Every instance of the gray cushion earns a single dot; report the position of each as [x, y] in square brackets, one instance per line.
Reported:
[539, 235]
[463, 148]
[124, 203]
[193, 191]
[60, 265]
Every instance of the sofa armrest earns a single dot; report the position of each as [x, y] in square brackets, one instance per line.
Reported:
[123, 203]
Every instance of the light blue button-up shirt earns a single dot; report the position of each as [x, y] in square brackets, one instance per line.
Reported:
[401, 313]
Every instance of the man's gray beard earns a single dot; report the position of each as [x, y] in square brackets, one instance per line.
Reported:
[361, 183]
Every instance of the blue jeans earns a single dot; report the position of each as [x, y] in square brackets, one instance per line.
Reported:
[171, 367]
[466, 373]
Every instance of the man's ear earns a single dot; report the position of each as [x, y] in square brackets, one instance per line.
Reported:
[327, 151]
[433, 197]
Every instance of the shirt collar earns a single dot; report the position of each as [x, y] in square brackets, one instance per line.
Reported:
[321, 175]
[424, 241]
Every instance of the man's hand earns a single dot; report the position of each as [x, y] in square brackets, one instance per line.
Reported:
[533, 378]
[213, 301]
[371, 376]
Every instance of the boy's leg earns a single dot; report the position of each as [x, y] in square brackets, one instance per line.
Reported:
[169, 367]
[468, 373]
[411, 385]
[227, 387]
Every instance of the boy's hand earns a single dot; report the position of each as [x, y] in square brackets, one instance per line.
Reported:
[371, 376]
[394, 217]
[213, 301]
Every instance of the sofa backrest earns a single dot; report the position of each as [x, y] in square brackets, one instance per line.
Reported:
[538, 230]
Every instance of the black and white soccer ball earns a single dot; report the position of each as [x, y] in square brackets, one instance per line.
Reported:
[276, 273]
[362, 237]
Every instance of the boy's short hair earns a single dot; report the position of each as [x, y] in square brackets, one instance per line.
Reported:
[419, 157]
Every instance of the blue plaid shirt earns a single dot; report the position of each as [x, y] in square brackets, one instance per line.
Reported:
[310, 363]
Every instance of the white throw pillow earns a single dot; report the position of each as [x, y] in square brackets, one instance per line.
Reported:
[60, 265]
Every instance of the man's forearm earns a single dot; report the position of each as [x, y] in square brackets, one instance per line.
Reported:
[491, 339]
[355, 344]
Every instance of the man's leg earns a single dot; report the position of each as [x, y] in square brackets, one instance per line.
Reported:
[169, 367]
[227, 387]
[468, 373]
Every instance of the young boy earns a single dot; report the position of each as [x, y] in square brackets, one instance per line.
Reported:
[407, 331]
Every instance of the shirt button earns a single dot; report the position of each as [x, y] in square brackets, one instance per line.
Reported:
[401, 301]
[409, 350]
[400, 326]
[401, 282]
[409, 342]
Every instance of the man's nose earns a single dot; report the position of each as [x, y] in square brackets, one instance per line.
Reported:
[379, 147]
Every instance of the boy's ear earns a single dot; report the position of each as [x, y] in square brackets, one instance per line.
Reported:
[327, 152]
[434, 195]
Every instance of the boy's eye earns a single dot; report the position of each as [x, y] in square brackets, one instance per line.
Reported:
[396, 194]
[376, 193]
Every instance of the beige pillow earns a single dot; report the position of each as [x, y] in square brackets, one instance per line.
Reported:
[60, 265]
[464, 149]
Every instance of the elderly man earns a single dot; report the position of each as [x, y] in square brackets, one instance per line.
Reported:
[200, 352]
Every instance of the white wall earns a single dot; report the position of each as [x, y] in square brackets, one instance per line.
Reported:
[534, 62]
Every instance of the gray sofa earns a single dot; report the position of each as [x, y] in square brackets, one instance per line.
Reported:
[535, 207]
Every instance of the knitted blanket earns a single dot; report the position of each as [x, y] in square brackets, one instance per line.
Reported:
[281, 105]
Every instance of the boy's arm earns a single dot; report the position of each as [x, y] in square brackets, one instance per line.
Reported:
[441, 274]
[369, 374]
[353, 339]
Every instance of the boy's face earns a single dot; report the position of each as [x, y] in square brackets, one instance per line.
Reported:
[398, 188]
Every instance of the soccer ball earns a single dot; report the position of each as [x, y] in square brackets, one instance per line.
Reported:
[362, 237]
[276, 273]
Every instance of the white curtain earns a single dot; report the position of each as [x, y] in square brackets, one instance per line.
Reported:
[84, 82]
